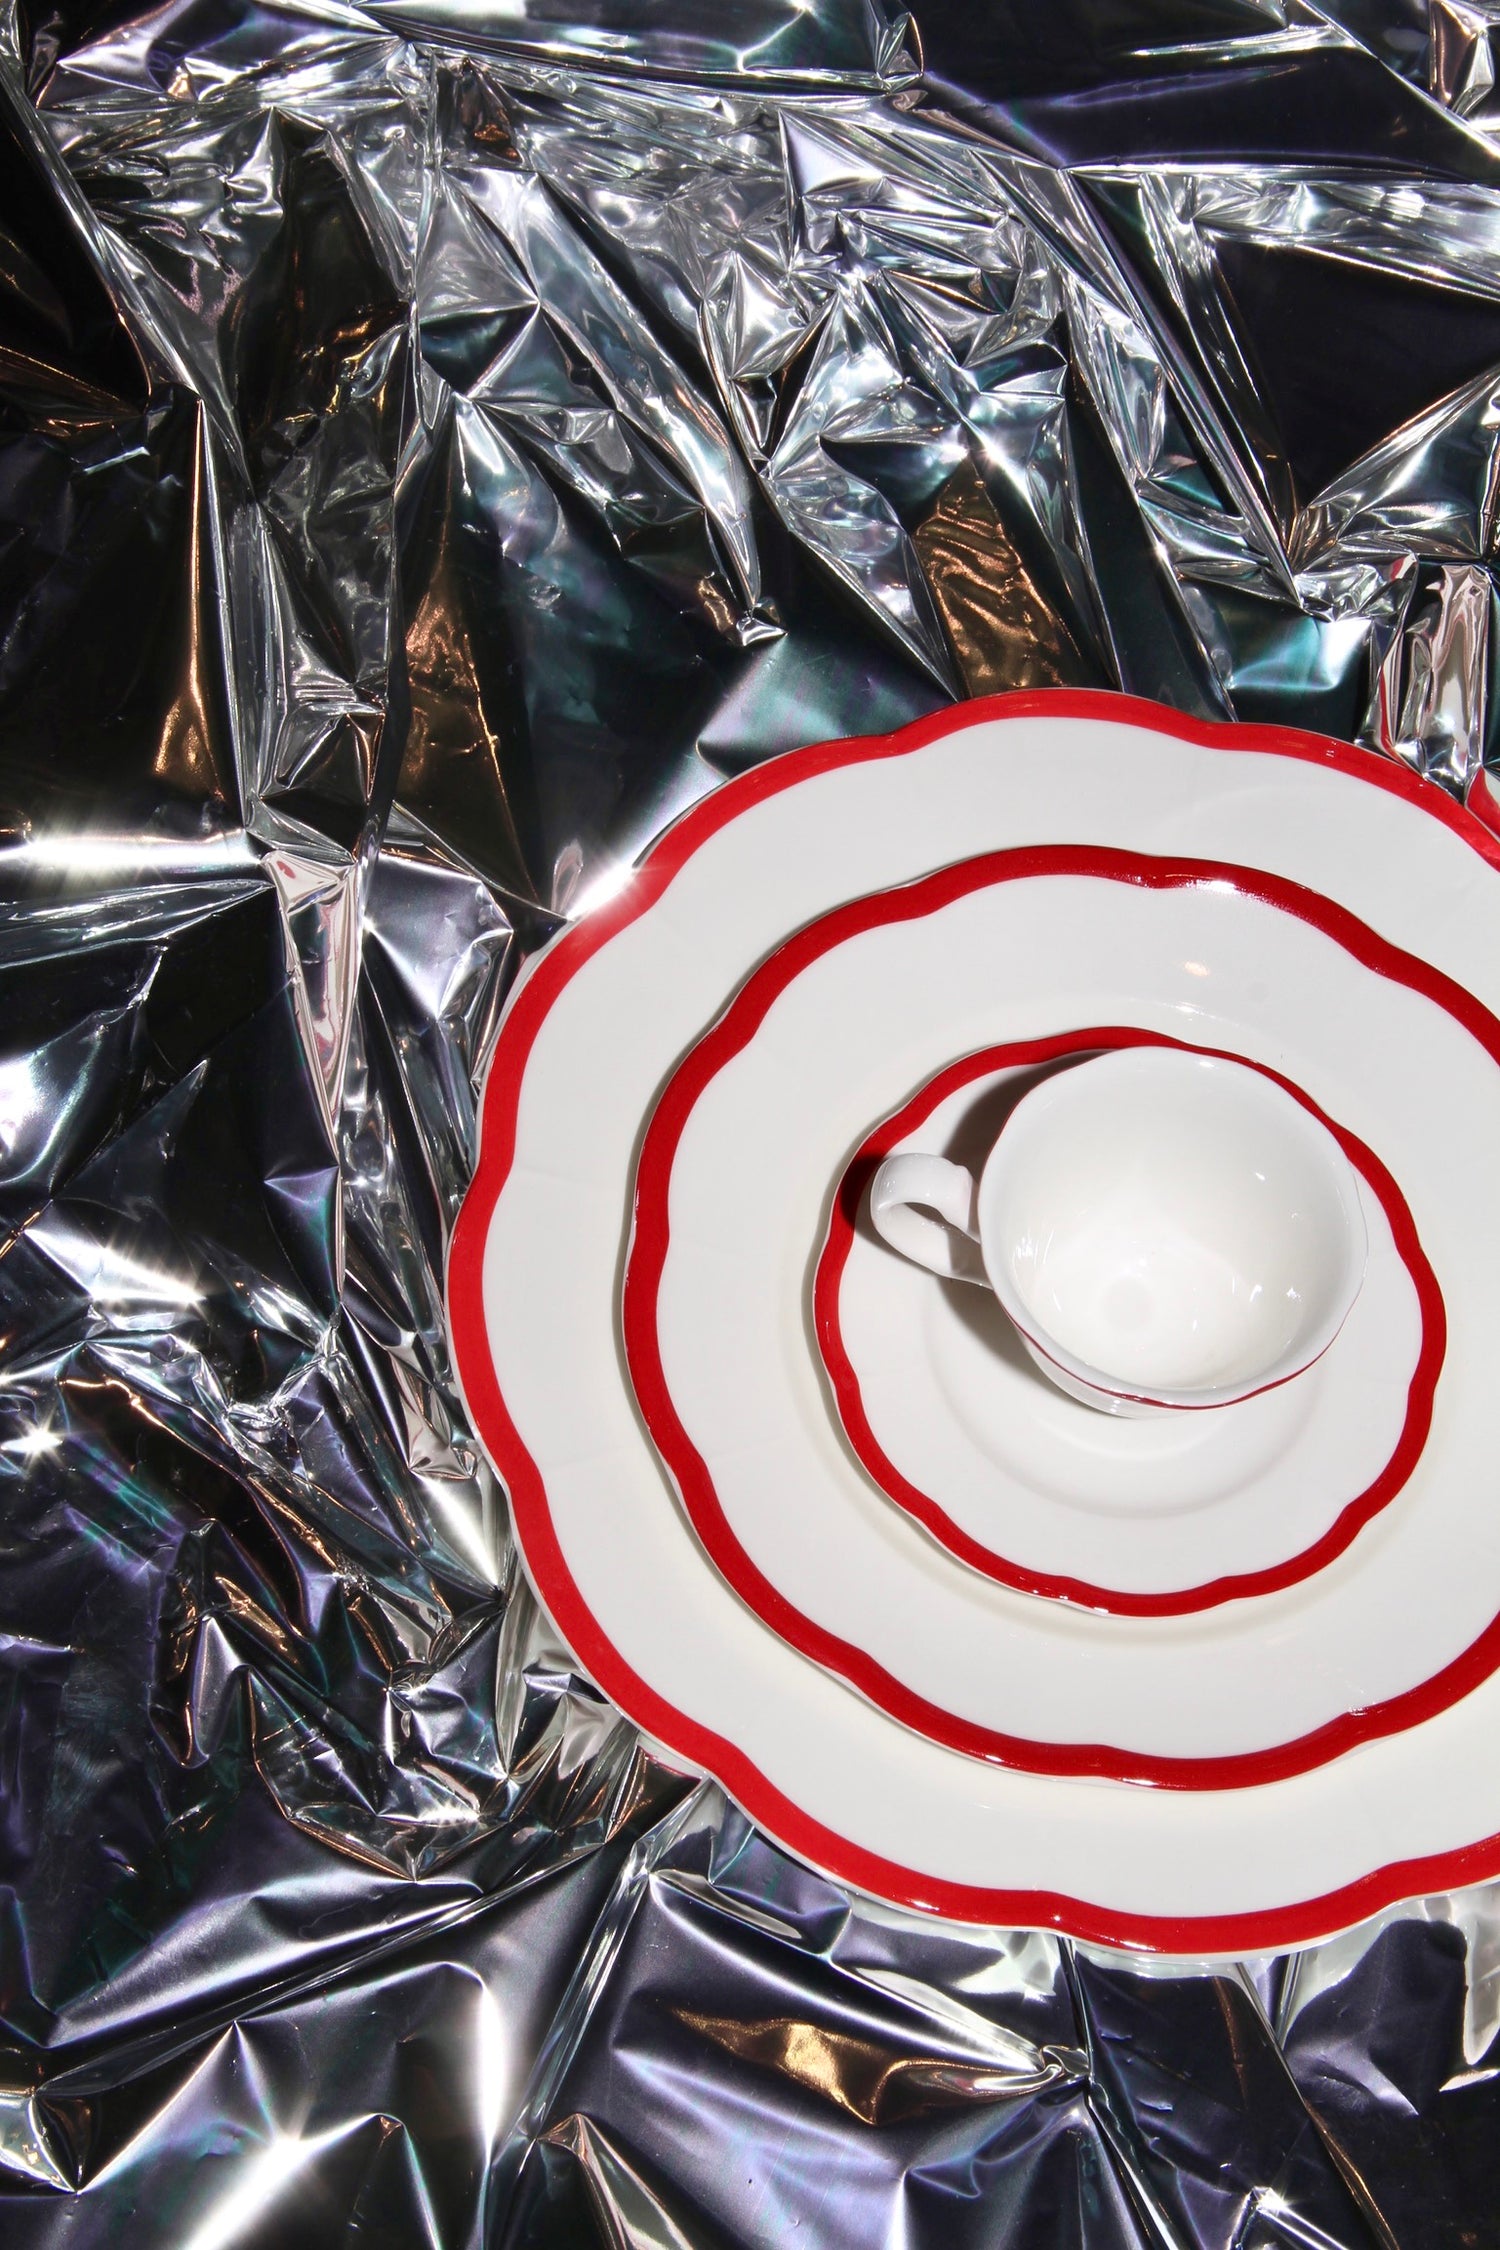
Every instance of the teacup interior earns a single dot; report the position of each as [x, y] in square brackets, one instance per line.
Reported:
[1174, 1222]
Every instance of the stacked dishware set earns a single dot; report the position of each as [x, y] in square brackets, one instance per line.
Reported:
[977, 1285]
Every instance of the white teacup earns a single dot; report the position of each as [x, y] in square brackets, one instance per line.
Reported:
[1166, 1230]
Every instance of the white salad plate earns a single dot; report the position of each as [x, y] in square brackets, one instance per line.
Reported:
[734, 1183]
[1251, 1855]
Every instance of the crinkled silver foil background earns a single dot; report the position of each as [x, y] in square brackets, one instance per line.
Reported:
[438, 440]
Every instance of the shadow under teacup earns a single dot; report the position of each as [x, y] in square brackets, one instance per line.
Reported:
[1167, 1230]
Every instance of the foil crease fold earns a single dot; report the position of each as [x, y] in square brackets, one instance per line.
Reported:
[437, 444]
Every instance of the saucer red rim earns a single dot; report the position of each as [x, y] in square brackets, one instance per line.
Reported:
[848, 1397]
[1248, 1930]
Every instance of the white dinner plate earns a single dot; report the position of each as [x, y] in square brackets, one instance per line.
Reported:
[733, 1190]
[592, 1031]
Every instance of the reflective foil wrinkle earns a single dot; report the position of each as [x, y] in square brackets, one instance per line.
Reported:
[437, 443]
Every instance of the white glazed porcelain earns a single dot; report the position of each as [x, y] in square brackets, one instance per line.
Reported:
[1166, 1230]
[718, 1283]
[591, 1032]
[1163, 1514]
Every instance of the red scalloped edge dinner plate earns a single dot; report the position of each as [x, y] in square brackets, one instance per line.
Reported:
[1256, 1930]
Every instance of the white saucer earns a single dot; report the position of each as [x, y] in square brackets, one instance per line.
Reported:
[1155, 1516]
[741, 1153]
[591, 1031]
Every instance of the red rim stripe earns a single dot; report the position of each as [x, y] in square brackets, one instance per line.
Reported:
[1255, 1930]
[848, 1396]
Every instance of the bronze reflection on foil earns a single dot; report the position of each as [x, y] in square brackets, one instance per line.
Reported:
[1003, 632]
[858, 2075]
[196, 719]
[453, 773]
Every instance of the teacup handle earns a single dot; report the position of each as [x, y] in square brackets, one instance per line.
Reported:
[946, 1188]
